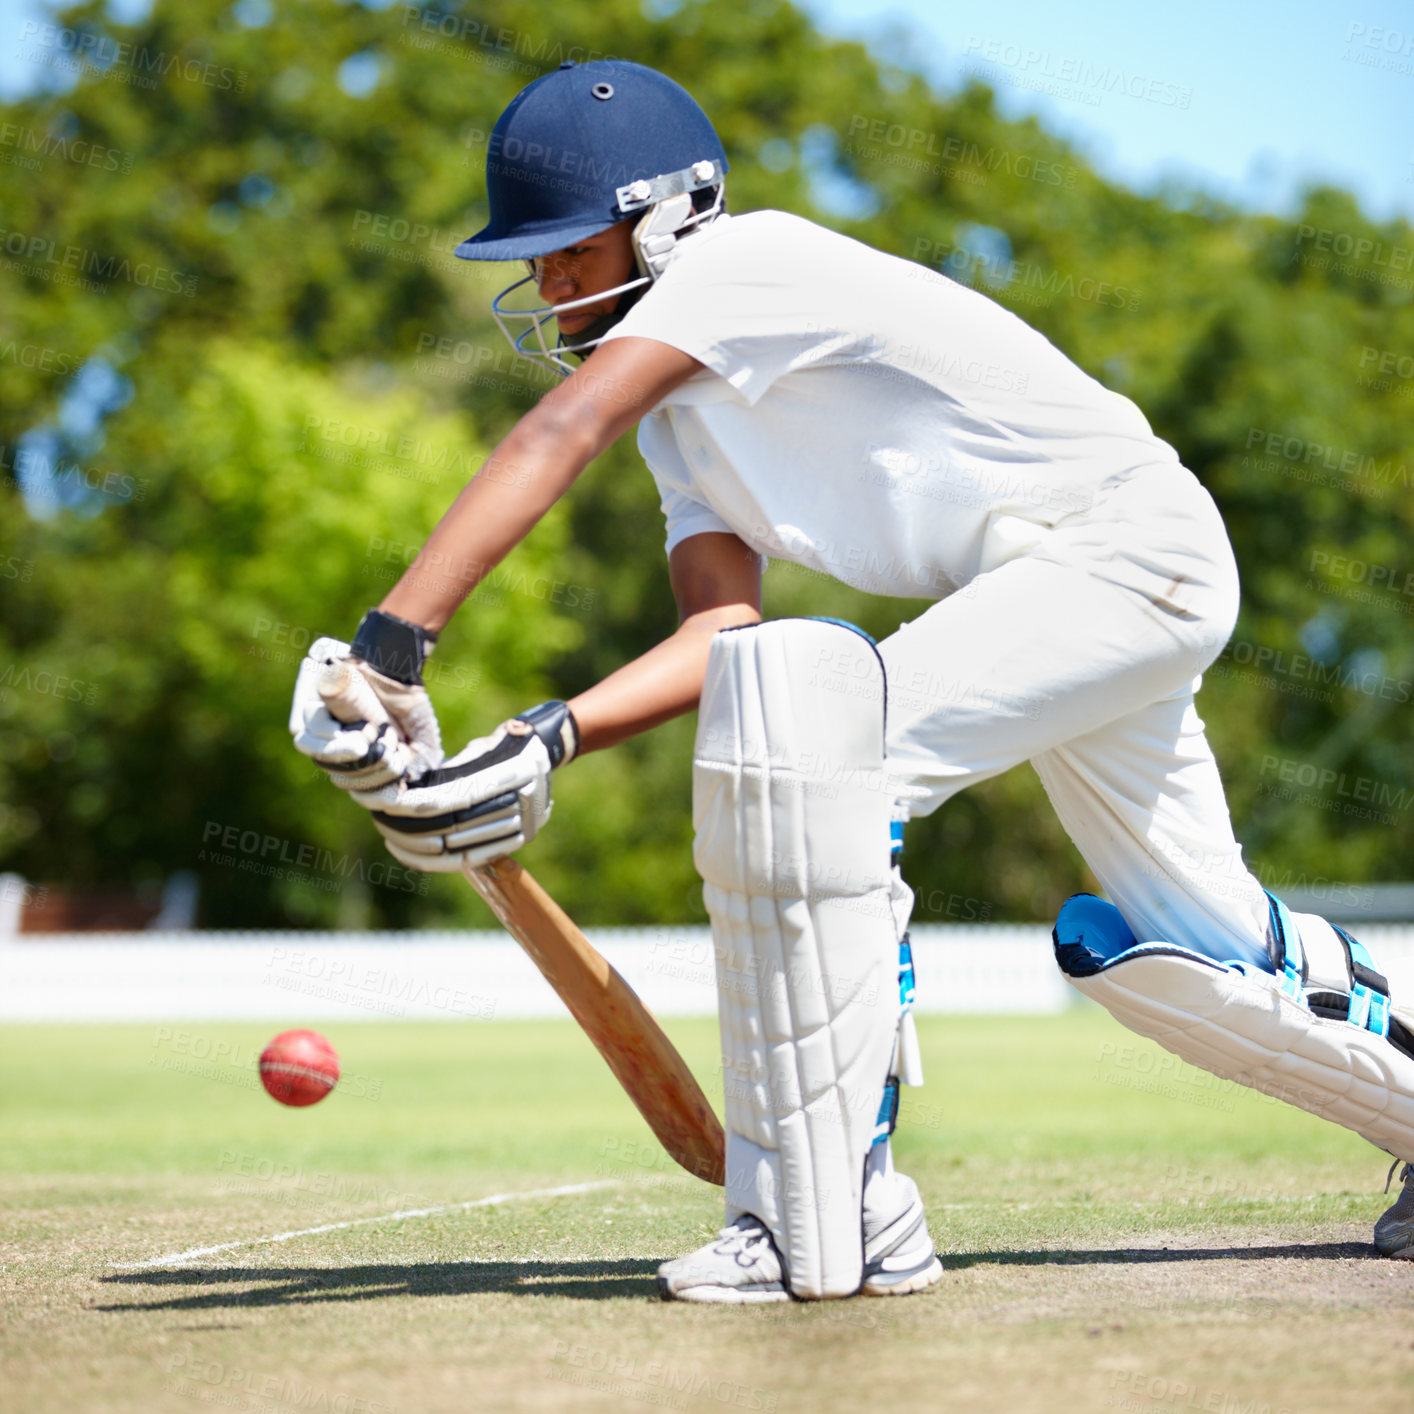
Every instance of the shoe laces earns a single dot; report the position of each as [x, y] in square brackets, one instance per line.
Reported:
[743, 1236]
[1403, 1177]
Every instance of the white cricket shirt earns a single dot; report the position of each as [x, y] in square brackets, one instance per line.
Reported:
[866, 416]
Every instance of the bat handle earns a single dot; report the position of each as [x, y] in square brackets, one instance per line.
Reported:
[349, 695]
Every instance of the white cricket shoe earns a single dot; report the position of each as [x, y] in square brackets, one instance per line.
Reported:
[741, 1268]
[899, 1257]
[1394, 1232]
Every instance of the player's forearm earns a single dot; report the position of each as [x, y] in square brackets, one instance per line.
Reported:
[664, 683]
[530, 470]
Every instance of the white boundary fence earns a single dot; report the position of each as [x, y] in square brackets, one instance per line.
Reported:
[309, 976]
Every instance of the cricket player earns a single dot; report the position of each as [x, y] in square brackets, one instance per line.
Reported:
[798, 395]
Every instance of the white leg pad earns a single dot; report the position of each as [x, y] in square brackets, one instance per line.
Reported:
[1243, 1025]
[792, 809]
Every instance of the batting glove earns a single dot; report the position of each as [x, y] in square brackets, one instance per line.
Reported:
[485, 802]
[360, 710]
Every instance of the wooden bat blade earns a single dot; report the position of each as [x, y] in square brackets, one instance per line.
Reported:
[622, 1029]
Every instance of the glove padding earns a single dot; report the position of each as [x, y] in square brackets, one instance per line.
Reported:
[364, 728]
[485, 802]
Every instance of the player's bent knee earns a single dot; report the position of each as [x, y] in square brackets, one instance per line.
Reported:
[1319, 1030]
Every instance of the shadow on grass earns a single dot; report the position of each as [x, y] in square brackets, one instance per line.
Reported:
[284, 1286]
[589, 1280]
[1137, 1256]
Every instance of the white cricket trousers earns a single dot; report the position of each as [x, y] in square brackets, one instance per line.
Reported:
[1082, 656]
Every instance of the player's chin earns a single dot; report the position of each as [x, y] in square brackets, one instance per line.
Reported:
[579, 321]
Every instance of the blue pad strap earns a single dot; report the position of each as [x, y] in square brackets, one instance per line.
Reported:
[1290, 958]
[905, 972]
[1369, 1005]
[888, 1112]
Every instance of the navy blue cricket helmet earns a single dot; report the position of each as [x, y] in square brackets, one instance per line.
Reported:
[586, 146]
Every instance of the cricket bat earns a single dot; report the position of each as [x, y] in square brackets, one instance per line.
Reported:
[622, 1029]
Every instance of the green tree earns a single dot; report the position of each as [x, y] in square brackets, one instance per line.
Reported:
[244, 374]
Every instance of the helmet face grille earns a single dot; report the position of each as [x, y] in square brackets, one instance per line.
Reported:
[571, 142]
[531, 330]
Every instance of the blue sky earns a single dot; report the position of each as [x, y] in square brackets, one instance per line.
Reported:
[1275, 95]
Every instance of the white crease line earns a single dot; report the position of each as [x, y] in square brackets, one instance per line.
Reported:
[493, 1201]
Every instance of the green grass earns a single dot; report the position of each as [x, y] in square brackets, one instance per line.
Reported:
[1120, 1232]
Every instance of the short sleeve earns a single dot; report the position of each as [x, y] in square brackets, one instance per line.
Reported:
[746, 299]
[686, 518]
[684, 513]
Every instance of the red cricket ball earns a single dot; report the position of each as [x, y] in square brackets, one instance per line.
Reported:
[299, 1067]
